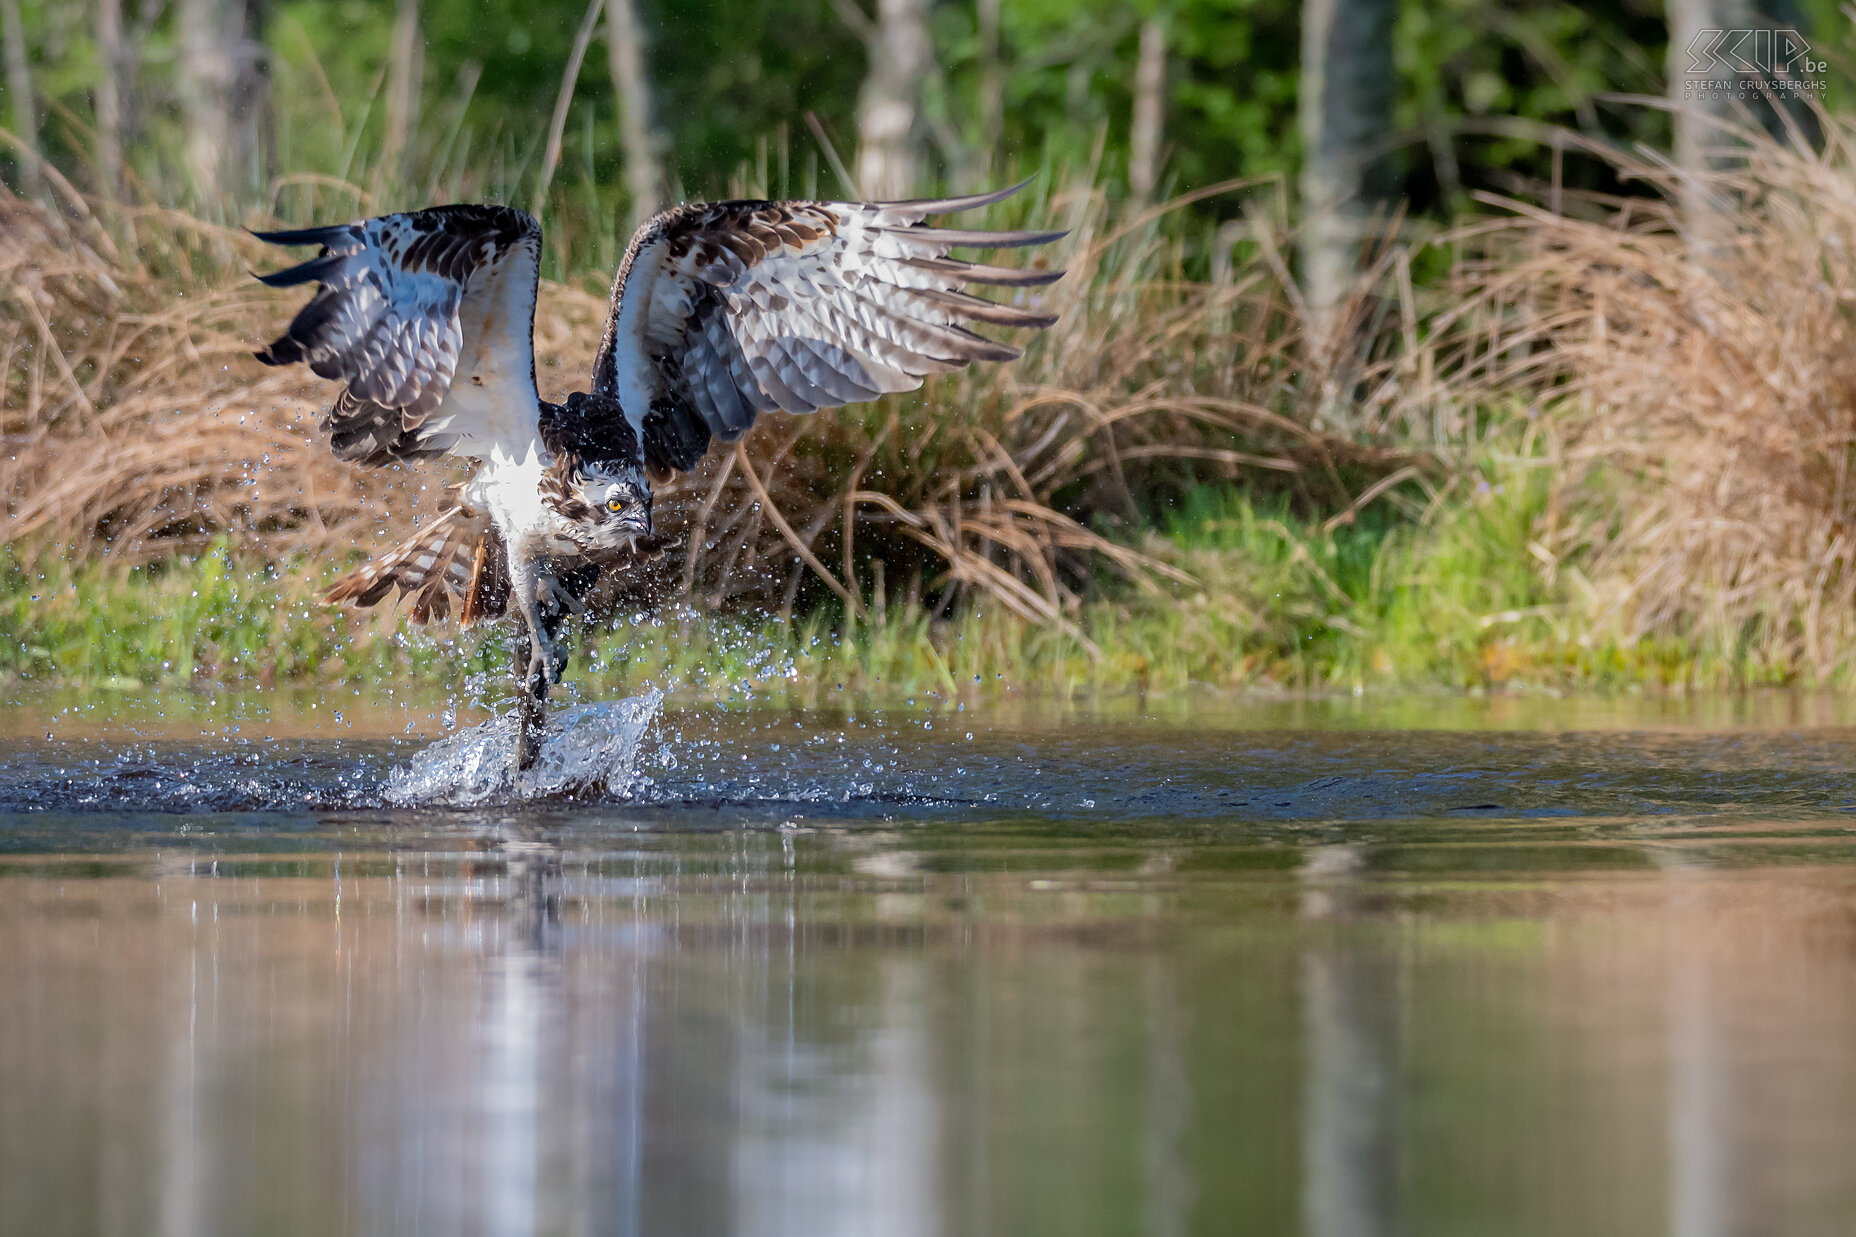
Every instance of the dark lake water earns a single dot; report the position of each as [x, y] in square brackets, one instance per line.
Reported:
[1427, 966]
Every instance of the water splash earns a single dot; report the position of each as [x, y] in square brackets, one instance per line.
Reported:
[590, 751]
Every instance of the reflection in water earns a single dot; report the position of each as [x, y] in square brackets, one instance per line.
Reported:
[828, 1150]
[1168, 1192]
[522, 1012]
[181, 1176]
[741, 1035]
[1698, 1068]
[1347, 1133]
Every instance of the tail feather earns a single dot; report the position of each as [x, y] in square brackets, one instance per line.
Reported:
[486, 591]
[429, 568]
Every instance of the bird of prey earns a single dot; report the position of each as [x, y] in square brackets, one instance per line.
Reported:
[720, 312]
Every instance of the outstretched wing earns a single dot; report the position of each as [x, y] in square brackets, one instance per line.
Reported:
[727, 310]
[429, 318]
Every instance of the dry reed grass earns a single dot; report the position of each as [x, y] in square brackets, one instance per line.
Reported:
[137, 425]
[1706, 366]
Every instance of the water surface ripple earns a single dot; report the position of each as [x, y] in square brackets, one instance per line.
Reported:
[915, 970]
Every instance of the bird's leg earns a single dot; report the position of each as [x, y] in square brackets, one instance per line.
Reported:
[531, 715]
[540, 659]
[554, 604]
[543, 602]
[561, 597]
[533, 655]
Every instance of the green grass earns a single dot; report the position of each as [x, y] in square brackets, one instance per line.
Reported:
[209, 617]
[1438, 591]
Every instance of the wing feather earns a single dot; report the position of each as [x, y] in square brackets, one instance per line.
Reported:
[407, 303]
[934, 242]
[765, 363]
[980, 272]
[429, 567]
[724, 311]
[713, 387]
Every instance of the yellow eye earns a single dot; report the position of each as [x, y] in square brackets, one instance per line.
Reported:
[615, 505]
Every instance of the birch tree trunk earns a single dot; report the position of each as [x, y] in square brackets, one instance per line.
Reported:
[901, 56]
[1701, 98]
[109, 97]
[1704, 80]
[223, 92]
[205, 89]
[23, 116]
[1149, 110]
[406, 70]
[1347, 92]
[992, 88]
[644, 178]
[129, 67]
[250, 120]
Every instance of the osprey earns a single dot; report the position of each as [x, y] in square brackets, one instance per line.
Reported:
[720, 312]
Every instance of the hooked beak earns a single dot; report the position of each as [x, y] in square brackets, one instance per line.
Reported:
[637, 522]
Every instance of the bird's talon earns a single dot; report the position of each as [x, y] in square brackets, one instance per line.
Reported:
[538, 679]
[547, 662]
[556, 594]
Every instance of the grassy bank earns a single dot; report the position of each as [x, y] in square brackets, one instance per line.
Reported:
[1437, 592]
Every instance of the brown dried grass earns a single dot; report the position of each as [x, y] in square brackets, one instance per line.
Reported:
[1705, 368]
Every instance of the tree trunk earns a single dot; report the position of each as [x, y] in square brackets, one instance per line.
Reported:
[901, 56]
[223, 93]
[405, 72]
[992, 88]
[24, 117]
[1149, 110]
[250, 119]
[644, 178]
[205, 89]
[1701, 113]
[1347, 92]
[109, 97]
[1704, 80]
[129, 68]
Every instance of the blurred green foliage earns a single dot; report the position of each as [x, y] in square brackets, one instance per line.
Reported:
[732, 84]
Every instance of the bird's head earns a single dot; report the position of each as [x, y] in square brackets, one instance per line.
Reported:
[606, 504]
[622, 499]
